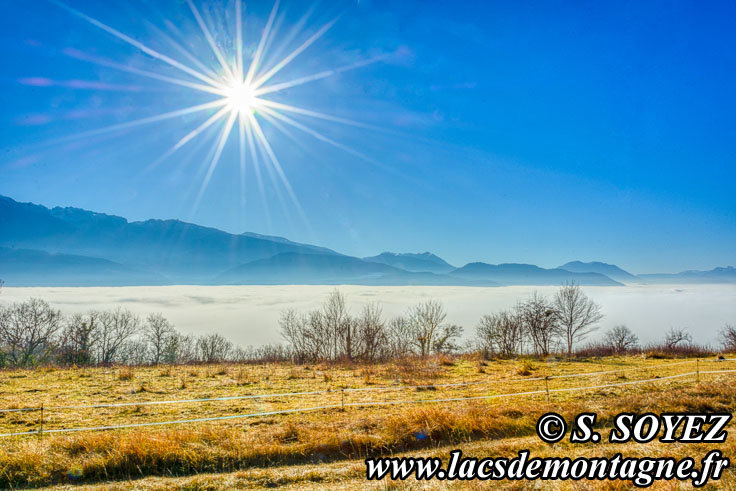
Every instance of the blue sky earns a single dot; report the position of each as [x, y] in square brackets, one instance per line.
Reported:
[534, 132]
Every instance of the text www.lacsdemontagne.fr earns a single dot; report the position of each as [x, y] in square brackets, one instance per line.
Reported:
[640, 471]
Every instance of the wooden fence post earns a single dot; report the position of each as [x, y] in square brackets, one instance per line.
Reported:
[40, 427]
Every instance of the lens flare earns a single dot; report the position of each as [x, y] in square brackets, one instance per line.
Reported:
[240, 90]
[240, 97]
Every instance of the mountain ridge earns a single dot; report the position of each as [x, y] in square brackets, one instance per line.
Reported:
[415, 262]
[530, 274]
[174, 249]
[309, 269]
[611, 270]
[68, 246]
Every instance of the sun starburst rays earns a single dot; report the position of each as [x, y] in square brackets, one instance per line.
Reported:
[240, 90]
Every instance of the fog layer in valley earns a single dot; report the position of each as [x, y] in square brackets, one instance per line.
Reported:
[248, 315]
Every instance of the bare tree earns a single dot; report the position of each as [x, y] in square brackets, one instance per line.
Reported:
[400, 337]
[728, 338]
[444, 341]
[78, 339]
[292, 327]
[425, 320]
[213, 348]
[372, 333]
[115, 328]
[134, 352]
[540, 323]
[308, 335]
[4, 347]
[677, 336]
[501, 333]
[349, 337]
[621, 339]
[28, 330]
[158, 334]
[576, 314]
[334, 316]
[183, 349]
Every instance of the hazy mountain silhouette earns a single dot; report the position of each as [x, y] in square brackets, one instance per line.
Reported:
[297, 268]
[610, 270]
[25, 267]
[282, 240]
[716, 275]
[178, 250]
[75, 247]
[528, 274]
[423, 262]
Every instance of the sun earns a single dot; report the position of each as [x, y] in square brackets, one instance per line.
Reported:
[240, 97]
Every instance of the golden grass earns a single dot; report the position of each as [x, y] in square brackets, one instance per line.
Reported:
[311, 439]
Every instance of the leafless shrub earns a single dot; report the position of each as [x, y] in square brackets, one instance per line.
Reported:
[134, 352]
[78, 340]
[540, 323]
[304, 335]
[685, 350]
[621, 339]
[182, 349]
[213, 348]
[676, 337]
[372, 334]
[445, 340]
[400, 336]
[728, 338]
[269, 353]
[597, 349]
[501, 333]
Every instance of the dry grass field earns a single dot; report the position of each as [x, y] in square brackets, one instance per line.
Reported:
[325, 447]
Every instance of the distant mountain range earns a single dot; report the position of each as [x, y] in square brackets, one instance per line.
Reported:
[424, 262]
[74, 247]
[610, 270]
[27, 267]
[716, 275]
[323, 269]
[528, 274]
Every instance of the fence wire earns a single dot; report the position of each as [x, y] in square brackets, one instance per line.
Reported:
[361, 403]
[356, 389]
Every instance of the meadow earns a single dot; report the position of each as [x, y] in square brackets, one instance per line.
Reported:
[325, 447]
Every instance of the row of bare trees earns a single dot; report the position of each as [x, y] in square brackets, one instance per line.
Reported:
[33, 333]
[333, 333]
[540, 325]
[677, 341]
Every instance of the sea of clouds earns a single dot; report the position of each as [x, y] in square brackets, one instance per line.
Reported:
[248, 315]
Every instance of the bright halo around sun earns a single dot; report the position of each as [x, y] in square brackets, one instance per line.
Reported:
[240, 88]
[240, 97]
